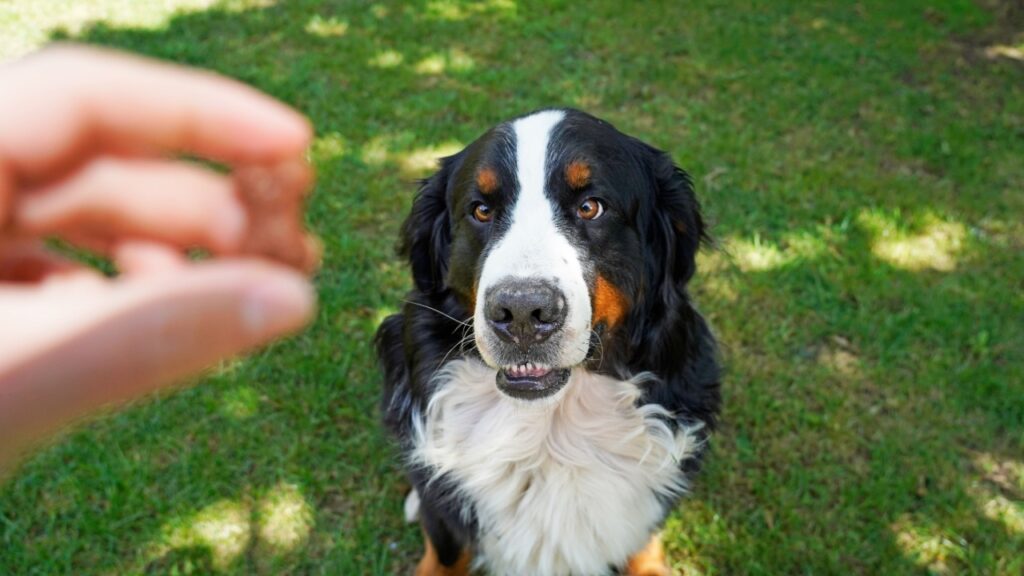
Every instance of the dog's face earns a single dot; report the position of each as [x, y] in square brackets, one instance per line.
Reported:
[556, 232]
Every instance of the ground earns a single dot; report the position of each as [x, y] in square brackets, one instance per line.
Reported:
[862, 164]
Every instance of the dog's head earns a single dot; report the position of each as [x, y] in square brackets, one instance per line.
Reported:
[562, 237]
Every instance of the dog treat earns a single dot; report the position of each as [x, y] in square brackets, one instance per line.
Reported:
[274, 196]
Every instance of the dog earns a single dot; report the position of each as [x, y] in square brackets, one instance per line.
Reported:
[551, 386]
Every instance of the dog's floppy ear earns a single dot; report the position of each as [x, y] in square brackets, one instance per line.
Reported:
[426, 233]
[678, 226]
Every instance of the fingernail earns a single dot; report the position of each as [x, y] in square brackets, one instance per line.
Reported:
[282, 132]
[281, 303]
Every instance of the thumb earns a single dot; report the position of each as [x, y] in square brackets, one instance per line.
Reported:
[138, 334]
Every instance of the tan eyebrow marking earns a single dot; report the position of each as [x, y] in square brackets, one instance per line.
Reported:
[577, 174]
[487, 180]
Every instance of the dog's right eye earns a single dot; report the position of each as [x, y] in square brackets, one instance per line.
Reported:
[591, 209]
[482, 212]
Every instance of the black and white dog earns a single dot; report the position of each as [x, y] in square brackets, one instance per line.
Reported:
[550, 382]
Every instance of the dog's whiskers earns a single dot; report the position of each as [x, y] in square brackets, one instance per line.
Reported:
[466, 338]
[452, 318]
[600, 348]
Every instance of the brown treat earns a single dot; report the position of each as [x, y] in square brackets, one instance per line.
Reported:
[6, 195]
[274, 196]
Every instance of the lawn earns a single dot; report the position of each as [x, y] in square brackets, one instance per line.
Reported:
[862, 164]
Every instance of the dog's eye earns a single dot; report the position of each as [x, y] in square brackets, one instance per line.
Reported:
[590, 209]
[482, 212]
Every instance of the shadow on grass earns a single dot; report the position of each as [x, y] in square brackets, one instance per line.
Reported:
[869, 409]
[871, 323]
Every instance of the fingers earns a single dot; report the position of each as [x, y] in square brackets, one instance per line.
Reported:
[28, 261]
[147, 258]
[62, 103]
[173, 324]
[110, 199]
[69, 351]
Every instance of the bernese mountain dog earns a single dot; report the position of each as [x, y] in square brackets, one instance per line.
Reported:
[550, 383]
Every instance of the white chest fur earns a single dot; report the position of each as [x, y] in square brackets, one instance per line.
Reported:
[569, 485]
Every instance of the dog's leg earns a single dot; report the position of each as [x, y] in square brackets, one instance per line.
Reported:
[412, 506]
[650, 561]
[444, 554]
[430, 564]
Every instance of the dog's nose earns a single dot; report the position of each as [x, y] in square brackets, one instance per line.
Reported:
[525, 312]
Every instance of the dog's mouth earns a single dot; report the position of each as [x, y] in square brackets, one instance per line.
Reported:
[529, 381]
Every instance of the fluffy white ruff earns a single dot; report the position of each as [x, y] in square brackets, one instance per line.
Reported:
[567, 486]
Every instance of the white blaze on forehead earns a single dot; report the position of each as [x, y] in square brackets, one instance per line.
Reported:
[533, 134]
[533, 246]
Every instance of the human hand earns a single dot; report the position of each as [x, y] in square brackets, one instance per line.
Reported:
[87, 139]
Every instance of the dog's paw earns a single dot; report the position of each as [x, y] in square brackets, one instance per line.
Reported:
[412, 506]
[651, 570]
[650, 561]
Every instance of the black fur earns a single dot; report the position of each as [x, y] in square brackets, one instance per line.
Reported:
[647, 250]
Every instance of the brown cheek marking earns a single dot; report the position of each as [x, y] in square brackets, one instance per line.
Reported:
[577, 174]
[609, 303]
[487, 181]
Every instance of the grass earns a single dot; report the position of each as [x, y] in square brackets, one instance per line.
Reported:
[862, 164]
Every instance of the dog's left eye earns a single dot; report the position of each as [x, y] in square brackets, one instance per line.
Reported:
[482, 212]
[590, 209]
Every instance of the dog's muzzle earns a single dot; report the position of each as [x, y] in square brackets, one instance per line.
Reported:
[525, 314]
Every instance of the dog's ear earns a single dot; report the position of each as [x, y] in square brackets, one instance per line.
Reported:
[426, 233]
[677, 224]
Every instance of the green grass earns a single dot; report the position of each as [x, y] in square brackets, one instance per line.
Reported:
[863, 165]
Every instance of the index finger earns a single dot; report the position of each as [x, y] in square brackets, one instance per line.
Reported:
[60, 105]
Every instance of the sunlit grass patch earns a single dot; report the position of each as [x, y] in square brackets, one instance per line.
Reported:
[28, 25]
[1013, 52]
[1006, 473]
[412, 163]
[278, 523]
[383, 313]
[329, 147]
[375, 152]
[935, 244]
[240, 403]
[999, 493]
[387, 59]
[455, 60]
[928, 548]
[1001, 509]
[422, 161]
[285, 518]
[454, 10]
[327, 27]
[758, 254]
[223, 528]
